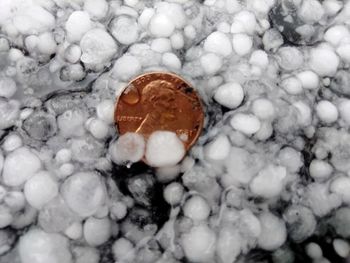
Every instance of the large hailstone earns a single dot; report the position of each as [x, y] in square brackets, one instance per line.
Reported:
[98, 47]
[199, 243]
[164, 148]
[37, 246]
[84, 193]
[19, 166]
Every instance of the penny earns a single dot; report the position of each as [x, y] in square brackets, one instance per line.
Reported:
[160, 101]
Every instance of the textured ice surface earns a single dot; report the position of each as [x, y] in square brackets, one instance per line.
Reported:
[268, 179]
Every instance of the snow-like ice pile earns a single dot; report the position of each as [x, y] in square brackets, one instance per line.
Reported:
[269, 179]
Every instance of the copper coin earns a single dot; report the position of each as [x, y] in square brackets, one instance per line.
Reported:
[160, 101]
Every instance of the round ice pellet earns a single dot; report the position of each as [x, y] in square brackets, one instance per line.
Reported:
[326, 111]
[8, 87]
[170, 60]
[245, 123]
[12, 142]
[320, 169]
[125, 30]
[40, 189]
[130, 147]
[74, 231]
[97, 231]
[105, 111]
[64, 155]
[98, 128]
[196, 208]
[173, 193]
[161, 45]
[126, 67]
[229, 95]
[164, 148]
[177, 40]
[217, 42]
[309, 79]
[123, 250]
[211, 63]
[77, 25]
[341, 247]
[292, 85]
[161, 26]
[323, 61]
[263, 109]
[242, 44]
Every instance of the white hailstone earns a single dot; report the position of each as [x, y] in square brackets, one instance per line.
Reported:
[323, 61]
[263, 109]
[259, 58]
[71, 123]
[66, 169]
[6, 216]
[164, 148]
[97, 47]
[146, 16]
[335, 34]
[19, 166]
[196, 208]
[46, 43]
[344, 111]
[342, 247]
[273, 232]
[161, 45]
[290, 58]
[218, 149]
[97, 9]
[15, 54]
[12, 142]
[130, 147]
[168, 173]
[131, 3]
[304, 114]
[292, 85]
[119, 210]
[126, 67]
[320, 170]
[4, 44]
[173, 11]
[211, 63]
[242, 44]
[344, 52]
[199, 244]
[177, 40]
[74, 231]
[340, 186]
[63, 156]
[72, 53]
[97, 231]
[326, 111]
[31, 42]
[309, 79]
[229, 95]
[332, 7]
[40, 189]
[224, 27]
[98, 128]
[173, 193]
[269, 182]
[228, 245]
[245, 123]
[161, 25]
[9, 112]
[314, 251]
[37, 246]
[311, 11]
[125, 29]
[170, 60]
[84, 193]
[15, 200]
[8, 87]
[77, 25]
[218, 43]
[123, 250]
[190, 31]
[105, 111]
[244, 22]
